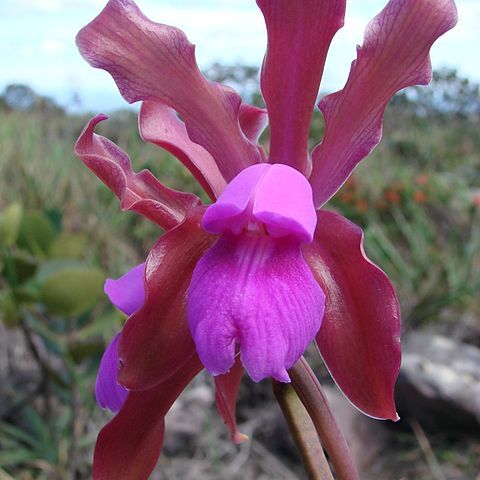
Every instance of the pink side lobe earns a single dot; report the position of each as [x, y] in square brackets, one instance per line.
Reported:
[108, 393]
[127, 293]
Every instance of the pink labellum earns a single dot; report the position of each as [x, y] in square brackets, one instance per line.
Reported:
[360, 335]
[256, 292]
[394, 55]
[152, 61]
[140, 192]
[299, 34]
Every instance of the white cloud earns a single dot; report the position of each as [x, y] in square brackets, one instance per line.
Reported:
[25, 7]
[37, 39]
[52, 47]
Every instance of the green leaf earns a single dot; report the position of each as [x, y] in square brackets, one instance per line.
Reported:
[82, 350]
[68, 245]
[36, 233]
[4, 475]
[9, 310]
[49, 267]
[10, 221]
[72, 290]
[14, 457]
[17, 434]
[105, 324]
[24, 266]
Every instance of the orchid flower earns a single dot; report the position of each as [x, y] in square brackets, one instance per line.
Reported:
[250, 280]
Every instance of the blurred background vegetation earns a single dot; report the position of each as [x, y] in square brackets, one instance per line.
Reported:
[61, 233]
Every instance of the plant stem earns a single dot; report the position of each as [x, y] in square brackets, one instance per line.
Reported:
[310, 393]
[303, 432]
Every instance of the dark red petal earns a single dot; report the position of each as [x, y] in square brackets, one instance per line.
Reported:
[140, 192]
[129, 445]
[156, 340]
[394, 55]
[151, 61]
[360, 336]
[227, 386]
[299, 34]
[253, 121]
[159, 124]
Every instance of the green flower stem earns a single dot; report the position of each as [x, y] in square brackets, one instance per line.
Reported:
[303, 432]
[310, 393]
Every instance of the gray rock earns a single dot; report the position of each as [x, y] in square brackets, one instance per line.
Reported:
[365, 436]
[439, 382]
[19, 373]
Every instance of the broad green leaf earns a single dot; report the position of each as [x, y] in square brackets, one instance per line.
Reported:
[82, 350]
[68, 246]
[10, 220]
[36, 233]
[25, 266]
[8, 310]
[49, 267]
[72, 290]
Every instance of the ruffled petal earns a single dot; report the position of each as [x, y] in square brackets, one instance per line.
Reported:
[129, 445]
[127, 293]
[227, 386]
[360, 335]
[276, 197]
[394, 55]
[299, 34]
[258, 292]
[108, 392]
[156, 341]
[140, 192]
[159, 124]
[151, 61]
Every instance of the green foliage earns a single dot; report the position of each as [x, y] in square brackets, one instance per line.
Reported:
[51, 293]
[68, 245]
[36, 233]
[10, 221]
[72, 290]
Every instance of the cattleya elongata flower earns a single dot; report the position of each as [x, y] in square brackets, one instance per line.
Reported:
[249, 281]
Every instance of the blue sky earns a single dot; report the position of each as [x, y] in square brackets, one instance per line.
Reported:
[37, 42]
